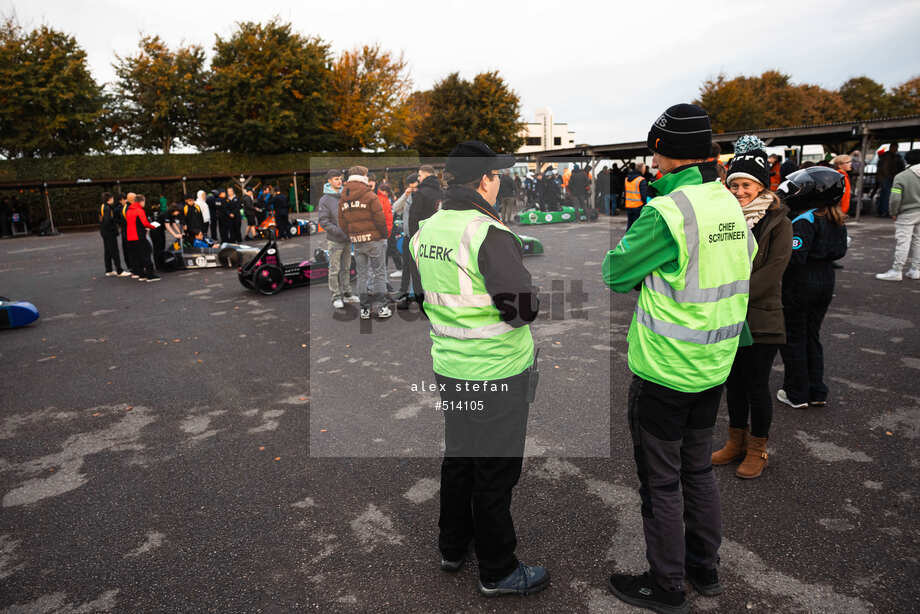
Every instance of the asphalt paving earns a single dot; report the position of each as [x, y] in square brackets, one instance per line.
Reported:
[191, 446]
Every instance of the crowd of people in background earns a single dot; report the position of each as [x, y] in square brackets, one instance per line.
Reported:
[150, 229]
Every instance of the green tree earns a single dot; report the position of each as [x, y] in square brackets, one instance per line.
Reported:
[865, 98]
[369, 86]
[268, 92]
[459, 110]
[905, 98]
[49, 102]
[158, 96]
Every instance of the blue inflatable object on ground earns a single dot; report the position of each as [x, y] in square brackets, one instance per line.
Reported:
[14, 314]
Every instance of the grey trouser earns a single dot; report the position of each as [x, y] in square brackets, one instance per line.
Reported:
[370, 259]
[508, 206]
[339, 265]
[672, 445]
[907, 240]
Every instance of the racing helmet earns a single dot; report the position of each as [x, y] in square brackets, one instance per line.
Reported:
[816, 186]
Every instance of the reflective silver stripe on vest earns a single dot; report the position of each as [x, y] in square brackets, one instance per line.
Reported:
[481, 332]
[458, 300]
[463, 256]
[692, 293]
[415, 240]
[682, 333]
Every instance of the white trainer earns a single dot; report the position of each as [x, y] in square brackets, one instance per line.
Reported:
[396, 274]
[352, 298]
[338, 304]
[891, 275]
[783, 398]
[913, 274]
[124, 274]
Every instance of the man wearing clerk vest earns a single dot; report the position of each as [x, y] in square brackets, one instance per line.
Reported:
[479, 299]
[690, 255]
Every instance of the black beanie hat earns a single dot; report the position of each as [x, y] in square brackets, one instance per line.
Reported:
[751, 164]
[682, 132]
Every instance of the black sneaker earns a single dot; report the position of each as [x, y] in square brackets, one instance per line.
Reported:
[403, 302]
[525, 580]
[644, 592]
[452, 566]
[705, 581]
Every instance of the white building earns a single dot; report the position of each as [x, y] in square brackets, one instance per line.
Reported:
[545, 134]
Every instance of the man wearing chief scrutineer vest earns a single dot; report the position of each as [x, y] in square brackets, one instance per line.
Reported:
[689, 253]
[479, 300]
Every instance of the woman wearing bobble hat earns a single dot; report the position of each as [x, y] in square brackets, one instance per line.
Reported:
[748, 385]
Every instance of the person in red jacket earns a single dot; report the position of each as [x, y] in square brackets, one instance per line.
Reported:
[384, 202]
[137, 239]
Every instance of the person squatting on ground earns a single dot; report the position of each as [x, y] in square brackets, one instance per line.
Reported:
[690, 252]
[108, 228]
[479, 299]
[819, 238]
[138, 245]
[747, 390]
[337, 242]
[905, 211]
[361, 217]
[635, 193]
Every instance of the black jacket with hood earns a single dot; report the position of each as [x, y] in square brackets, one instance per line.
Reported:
[425, 202]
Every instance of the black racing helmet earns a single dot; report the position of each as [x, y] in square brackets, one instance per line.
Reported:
[816, 186]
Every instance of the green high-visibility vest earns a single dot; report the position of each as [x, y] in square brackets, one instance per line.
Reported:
[684, 332]
[469, 340]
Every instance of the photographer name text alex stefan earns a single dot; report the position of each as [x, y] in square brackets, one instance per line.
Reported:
[466, 386]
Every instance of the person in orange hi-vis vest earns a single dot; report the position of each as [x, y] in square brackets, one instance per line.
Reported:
[843, 164]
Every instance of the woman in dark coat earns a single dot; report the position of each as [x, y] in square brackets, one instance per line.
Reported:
[748, 386]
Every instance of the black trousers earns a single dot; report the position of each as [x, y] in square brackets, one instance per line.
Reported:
[804, 307]
[747, 390]
[284, 224]
[672, 446]
[141, 257]
[110, 245]
[632, 214]
[125, 251]
[407, 267]
[223, 226]
[214, 225]
[235, 233]
[482, 463]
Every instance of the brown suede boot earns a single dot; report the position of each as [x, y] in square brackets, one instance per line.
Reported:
[756, 459]
[734, 448]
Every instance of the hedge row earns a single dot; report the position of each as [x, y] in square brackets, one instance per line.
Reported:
[76, 206]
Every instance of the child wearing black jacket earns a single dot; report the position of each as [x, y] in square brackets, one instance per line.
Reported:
[819, 238]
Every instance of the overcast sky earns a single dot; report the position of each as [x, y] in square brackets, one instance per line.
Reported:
[606, 68]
